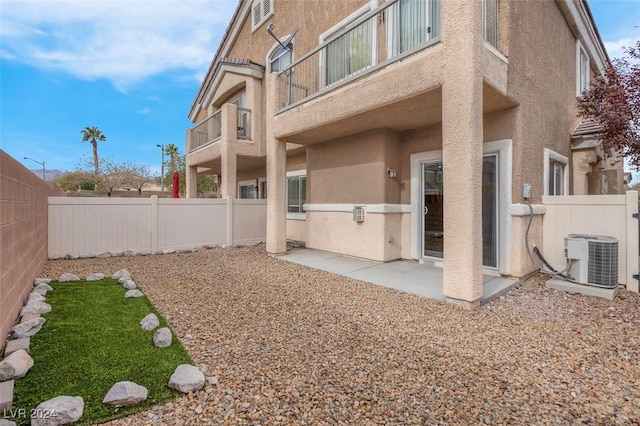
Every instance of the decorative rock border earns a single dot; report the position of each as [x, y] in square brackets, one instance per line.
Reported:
[131, 253]
[30, 323]
[17, 362]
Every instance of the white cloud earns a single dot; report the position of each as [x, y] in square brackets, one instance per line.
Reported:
[122, 41]
[143, 111]
[614, 48]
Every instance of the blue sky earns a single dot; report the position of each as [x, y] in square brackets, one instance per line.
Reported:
[132, 68]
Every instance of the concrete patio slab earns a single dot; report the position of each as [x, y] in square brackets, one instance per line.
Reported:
[424, 280]
[586, 290]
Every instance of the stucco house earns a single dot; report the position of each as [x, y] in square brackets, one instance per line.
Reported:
[401, 129]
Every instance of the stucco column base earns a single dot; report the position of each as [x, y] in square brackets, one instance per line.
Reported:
[462, 146]
[276, 178]
[463, 303]
[228, 157]
[192, 182]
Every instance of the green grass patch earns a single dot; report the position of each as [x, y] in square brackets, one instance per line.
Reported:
[91, 340]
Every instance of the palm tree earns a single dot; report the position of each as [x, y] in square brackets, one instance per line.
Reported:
[172, 151]
[93, 134]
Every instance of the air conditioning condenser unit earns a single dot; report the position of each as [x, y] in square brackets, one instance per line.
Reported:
[593, 259]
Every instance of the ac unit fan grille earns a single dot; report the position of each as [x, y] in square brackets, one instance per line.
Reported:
[603, 263]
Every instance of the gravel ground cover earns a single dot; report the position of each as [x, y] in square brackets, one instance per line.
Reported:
[281, 343]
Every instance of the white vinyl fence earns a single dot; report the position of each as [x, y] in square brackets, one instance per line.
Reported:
[610, 215]
[84, 226]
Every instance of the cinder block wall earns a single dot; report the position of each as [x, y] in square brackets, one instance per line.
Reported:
[23, 236]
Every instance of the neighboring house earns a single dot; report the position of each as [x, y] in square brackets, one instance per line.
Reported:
[597, 171]
[399, 129]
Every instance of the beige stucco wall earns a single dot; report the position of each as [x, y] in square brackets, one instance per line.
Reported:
[542, 80]
[311, 18]
[533, 104]
[378, 237]
[297, 230]
[354, 169]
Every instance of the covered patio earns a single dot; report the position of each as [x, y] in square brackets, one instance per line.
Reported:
[421, 279]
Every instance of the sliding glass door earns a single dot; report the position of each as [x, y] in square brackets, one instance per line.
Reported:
[433, 212]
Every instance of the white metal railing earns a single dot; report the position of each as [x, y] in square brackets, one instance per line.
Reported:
[207, 131]
[386, 34]
[490, 22]
[244, 123]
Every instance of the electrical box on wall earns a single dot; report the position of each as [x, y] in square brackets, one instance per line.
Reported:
[526, 191]
[358, 214]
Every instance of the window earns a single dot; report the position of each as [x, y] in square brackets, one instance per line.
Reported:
[262, 188]
[582, 68]
[296, 194]
[490, 27]
[247, 189]
[556, 173]
[243, 115]
[280, 58]
[261, 10]
[351, 52]
[556, 178]
[414, 23]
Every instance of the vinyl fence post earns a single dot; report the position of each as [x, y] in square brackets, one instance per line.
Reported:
[154, 224]
[230, 221]
[632, 241]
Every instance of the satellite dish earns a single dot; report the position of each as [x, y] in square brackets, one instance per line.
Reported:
[287, 43]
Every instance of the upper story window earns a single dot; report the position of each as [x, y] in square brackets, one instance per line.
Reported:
[261, 10]
[582, 68]
[413, 22]
[243, 115]
[556, 173]
[350, 52]
[280, 58]
[491, 22]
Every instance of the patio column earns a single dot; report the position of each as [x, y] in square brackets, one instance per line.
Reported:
[228, 157]
[192, 181]
[276, 177]
[462, 138]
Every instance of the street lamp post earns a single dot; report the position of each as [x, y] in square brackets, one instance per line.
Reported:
[42, 164]
[161, 146]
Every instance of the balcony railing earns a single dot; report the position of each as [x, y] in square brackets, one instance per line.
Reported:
[244, 123]
[207, 131]
[394, 30]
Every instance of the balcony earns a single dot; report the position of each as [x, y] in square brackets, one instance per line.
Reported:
[389, 33]
[209, 130]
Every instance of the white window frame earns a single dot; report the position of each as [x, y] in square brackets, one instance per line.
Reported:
[264, 17]
[504, 149]
[249, 182]
[392, 31]
[551, 158]
[294, 216]
[275, 47]
[339, 27]
[580, 53]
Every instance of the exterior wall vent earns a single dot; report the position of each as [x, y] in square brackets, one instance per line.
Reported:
[358, 214]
